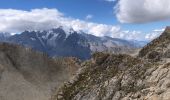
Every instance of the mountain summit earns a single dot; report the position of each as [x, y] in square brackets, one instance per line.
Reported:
[167, 29]
[62, 42]
[159, 48]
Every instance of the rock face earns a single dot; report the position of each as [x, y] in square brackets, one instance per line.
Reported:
[29, 75]
[122, 77]
[158, 49]
[105, 77]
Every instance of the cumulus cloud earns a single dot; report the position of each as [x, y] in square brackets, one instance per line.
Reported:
[139, 35]
[89, 16]
[16, 21]
[132, 35]
[151, 36]
[159, 30]
[154, 34]
[42, 19]
[142, 11]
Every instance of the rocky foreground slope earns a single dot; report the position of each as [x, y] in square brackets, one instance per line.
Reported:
[122, 77]
[29, 75]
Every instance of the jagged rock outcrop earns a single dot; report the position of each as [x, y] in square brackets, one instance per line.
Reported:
[105, 77]
[158, 49]
[29, 75]
[122, 77]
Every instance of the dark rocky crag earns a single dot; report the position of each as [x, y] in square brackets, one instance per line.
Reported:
[122, 77]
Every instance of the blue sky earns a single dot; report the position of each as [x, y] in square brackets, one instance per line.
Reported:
[74, 8]
[101, 12]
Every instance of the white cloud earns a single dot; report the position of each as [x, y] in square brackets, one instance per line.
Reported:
[151, 36]
[154, 34]
[159, 30]
[132, 35]
[40, 19]
[139, 35]
[89, 16]
[142, 11]
[15, 21]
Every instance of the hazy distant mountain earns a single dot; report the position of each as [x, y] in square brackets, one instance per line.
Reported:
[65, 43]
[4, 36]
[139, 43]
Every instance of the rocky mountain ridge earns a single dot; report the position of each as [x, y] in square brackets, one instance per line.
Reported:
[69, 43]
[26, 74]
[122, 77]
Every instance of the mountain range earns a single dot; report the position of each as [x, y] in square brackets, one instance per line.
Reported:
[63, 42]
[27, 74]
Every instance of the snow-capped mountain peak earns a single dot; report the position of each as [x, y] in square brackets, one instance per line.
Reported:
[68, 42]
